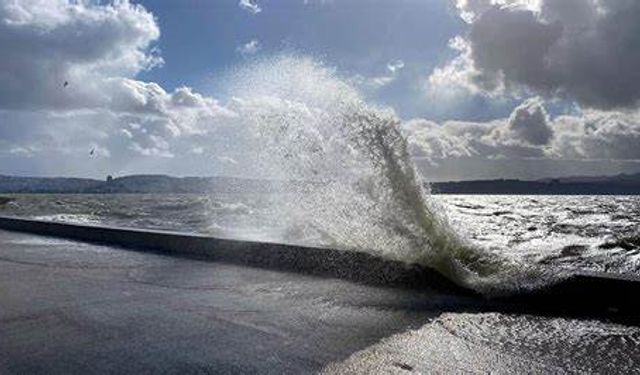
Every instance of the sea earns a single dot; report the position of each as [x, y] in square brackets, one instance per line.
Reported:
[594, 233]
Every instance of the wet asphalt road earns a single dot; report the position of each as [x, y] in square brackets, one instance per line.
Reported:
[71, 307]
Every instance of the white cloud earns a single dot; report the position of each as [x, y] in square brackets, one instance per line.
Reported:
[155, 146]
[322, 2]
[598, 135]
[395, 66]
[249, 48]
[227, 159]
[62, 54]
[530, 133]
[458, 74]
[470, 10]
[69, 67]
[250, 6]
[376, 82]
[23, 151]
[455, 140]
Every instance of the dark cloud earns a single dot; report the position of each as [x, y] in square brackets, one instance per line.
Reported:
[512, 46]
[585, 50]
[529, 122]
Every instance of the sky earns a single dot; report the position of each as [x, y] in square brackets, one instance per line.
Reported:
[482, 88]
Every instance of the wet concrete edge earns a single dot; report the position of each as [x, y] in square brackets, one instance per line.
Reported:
[583, 294]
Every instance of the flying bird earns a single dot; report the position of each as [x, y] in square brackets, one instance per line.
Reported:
[93, 150]
[65, 84]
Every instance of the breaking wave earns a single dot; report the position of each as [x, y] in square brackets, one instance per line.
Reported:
[361, 191]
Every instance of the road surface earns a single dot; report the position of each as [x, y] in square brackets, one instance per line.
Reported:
[70, 307]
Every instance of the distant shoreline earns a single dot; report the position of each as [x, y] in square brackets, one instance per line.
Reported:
[517, 187]
[161, 184]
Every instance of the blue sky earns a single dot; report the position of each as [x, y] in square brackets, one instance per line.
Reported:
[200, 39]
[481, 88]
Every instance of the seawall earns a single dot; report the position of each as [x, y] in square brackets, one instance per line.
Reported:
[584, 295]
[350, 265]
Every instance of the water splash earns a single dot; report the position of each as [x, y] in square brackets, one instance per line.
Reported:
[361, 191]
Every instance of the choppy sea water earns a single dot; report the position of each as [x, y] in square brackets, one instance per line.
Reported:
[491, 343]
[597, 233]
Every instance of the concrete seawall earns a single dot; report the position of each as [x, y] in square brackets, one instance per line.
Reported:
[354, 266]
[588, 295]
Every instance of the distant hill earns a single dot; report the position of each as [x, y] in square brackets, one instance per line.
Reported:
[167, 184]
[12, 184]
[133, 184]
[623, 184]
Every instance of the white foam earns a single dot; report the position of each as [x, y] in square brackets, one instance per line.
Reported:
[363, 192]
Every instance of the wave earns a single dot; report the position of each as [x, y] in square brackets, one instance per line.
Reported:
[70, 218]
[364, 193]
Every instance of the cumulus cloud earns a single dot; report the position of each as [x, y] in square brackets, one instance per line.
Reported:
[322, 2]
[157, 146]
[455, 140]
[529, 123]
[395, 66]
[249, 48]
[584, 50]
[61, 54]
[598, 135]
[530, 133]
[69, 67]
[250, 6]
[458, 75]
[374, 83]
[227, 159]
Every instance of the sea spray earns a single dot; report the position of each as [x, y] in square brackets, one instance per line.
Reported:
[361, 191]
